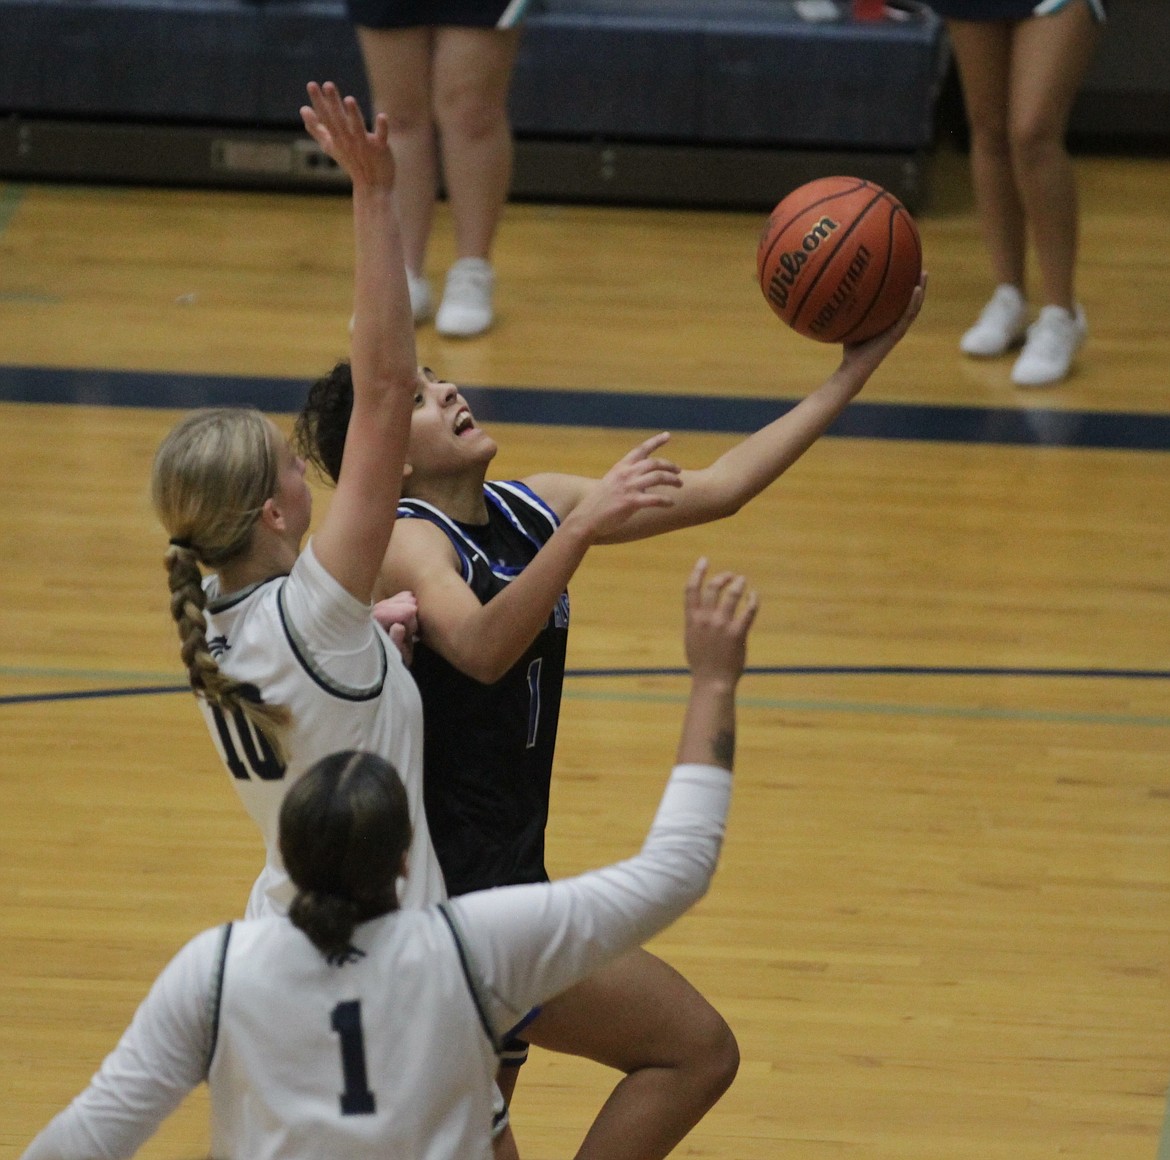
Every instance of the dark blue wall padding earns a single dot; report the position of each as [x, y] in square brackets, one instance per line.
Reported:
[836, 86]
[171, 59]
[23, 43]
[306, 40]
[748, 72]
[721, 72]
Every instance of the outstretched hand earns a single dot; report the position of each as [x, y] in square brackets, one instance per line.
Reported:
[873, 350]
[719, 615]
[337, 125]
[628, 487]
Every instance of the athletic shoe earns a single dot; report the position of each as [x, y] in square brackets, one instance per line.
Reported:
[421, 302]
[466, 309]
[1053, 339]
[1002, 324]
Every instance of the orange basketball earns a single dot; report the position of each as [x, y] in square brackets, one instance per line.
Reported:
[838, 259]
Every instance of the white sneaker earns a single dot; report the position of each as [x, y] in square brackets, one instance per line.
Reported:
[421, 301]
[466, 309]
[1053, 339]
[1002, 324]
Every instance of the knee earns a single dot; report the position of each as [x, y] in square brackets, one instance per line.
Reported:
[1035, 145]
[469, 113]
[992, 143]
[408, 119]
[715, 1054]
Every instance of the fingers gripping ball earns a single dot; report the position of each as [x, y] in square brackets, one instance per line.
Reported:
[838, 259]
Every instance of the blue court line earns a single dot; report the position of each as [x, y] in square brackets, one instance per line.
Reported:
[92, 694]
[774, 703]
[617, 410]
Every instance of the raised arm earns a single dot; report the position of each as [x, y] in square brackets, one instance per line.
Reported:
[720, 613]
[530, 942]
[351, 541]
[750, 466]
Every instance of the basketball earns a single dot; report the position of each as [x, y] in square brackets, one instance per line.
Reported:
[838, 259]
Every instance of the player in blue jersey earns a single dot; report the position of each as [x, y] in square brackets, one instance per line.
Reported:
[488, 564]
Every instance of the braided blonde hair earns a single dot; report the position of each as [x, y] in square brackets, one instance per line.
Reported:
[212, 475]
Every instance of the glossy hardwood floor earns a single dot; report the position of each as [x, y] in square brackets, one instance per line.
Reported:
[940, 929]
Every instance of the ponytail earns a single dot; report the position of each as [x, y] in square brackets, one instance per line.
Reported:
[328, 920]
[344, 832]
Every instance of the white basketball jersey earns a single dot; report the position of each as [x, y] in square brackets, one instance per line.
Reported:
[390, 1055]
[304, 642]
[385, 1055]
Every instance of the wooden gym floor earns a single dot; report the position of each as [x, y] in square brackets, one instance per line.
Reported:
[940, 929]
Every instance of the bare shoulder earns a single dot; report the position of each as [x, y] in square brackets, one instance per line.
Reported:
[561, 492]
[417, 547]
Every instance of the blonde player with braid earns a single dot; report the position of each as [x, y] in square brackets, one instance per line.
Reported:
[286, 662]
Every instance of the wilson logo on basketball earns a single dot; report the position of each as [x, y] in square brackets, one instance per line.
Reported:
[789, 265]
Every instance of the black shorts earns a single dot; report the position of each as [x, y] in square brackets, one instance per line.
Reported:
[436, 13]
[1000, 9]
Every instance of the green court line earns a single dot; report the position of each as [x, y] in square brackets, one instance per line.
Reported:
[1039, 716]
[117, 676]
[10, 199]
[1164, 1143]
[35, 299]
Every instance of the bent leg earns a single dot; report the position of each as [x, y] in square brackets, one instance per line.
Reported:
[640, 1016]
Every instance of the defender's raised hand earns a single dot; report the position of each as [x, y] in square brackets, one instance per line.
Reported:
[338, 126]
[719, 615]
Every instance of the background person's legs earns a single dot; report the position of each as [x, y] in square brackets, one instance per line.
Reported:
[398, 69]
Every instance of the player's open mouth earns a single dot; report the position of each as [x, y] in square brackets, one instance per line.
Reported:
[463, 422]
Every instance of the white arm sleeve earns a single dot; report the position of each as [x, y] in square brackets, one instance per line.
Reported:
[528, 943]
[161, 1057]
[335, 628]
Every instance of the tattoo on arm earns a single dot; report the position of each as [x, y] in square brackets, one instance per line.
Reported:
[723, 747]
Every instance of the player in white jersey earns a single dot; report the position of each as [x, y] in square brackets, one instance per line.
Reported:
[377, 1035]
[280, 647]
[310, 646]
